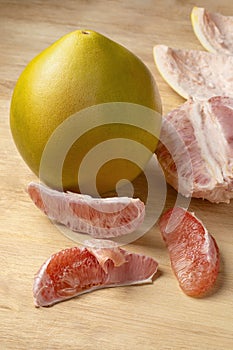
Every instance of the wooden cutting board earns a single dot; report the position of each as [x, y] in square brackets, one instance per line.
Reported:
[156, 316]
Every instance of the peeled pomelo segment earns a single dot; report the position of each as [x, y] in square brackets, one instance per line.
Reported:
[193, 252]
[193, 73]
[75, 271]
[214, 30]
[196, 149]
[98, 217]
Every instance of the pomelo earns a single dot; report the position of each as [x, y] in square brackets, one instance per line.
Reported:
[98, 217]
[194, 164]
[82, 69]
[194, 253]
[75, 271]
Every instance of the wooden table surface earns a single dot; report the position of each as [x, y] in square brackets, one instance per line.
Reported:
[156, 316]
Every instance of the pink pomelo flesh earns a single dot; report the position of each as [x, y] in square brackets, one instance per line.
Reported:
[98, 217]
[75, 271]
[194, 253]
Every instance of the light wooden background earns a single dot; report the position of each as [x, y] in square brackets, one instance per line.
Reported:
[157, 316]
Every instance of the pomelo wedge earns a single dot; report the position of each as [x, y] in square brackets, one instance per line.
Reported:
[98, 217]
[196, 149]
[193, 73]
[75, 271]
[193, 252]
[214, 30]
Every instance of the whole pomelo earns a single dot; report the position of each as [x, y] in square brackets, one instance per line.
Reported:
[82, 69]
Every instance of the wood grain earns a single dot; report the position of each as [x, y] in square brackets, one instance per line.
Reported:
[157, 316]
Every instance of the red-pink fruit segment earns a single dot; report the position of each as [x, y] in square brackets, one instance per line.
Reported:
[99, 217]
[74, 271]
[193, 252]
